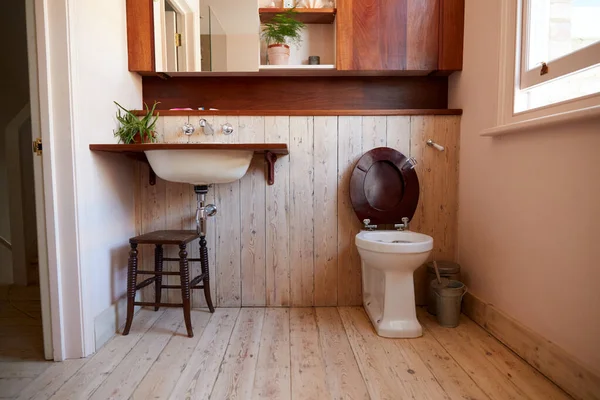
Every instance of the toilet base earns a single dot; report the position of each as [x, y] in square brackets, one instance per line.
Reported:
[389, 300]
[406, 328]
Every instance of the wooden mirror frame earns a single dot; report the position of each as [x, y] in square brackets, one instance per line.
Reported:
[140, 37]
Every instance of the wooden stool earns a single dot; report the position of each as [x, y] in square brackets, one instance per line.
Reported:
[160, 238]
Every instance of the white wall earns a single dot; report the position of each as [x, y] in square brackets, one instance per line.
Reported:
[239, 20]
[529, 205]
[14, 94]
[105, 204]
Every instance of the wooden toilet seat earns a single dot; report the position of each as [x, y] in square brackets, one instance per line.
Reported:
[384, 187]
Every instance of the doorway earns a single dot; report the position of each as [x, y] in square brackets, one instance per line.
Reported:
[22, 331]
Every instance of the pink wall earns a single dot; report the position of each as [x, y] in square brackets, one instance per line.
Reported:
[529, 234]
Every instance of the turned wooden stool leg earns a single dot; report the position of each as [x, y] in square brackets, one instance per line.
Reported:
[158, 267]
[204, 268]
[184, 273]
[131, 283]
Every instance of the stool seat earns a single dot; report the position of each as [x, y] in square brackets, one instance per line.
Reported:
[159, 239]
[165, 237]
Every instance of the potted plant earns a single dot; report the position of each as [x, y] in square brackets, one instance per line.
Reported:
[279, 33]
[134, 129]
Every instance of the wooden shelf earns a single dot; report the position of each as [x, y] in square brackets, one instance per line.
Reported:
[295, 72]
[275, 148]
[296, 67]
[306, 15]
[302, 113]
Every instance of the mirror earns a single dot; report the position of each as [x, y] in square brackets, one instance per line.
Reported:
[206, 35]
[224, 35]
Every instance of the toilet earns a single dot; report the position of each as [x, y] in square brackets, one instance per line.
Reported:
[384, 190]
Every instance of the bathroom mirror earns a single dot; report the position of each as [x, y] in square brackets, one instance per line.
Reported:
[206, 35]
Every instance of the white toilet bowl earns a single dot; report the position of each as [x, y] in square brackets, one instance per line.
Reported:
[389, 259]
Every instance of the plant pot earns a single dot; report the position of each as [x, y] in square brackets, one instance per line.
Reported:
[137, 139]
[279, 54]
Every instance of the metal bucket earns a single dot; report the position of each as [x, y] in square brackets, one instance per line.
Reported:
[447, 269]
[448, 299]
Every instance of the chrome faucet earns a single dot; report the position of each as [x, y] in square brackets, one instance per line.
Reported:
[403, 226]
[207, 127]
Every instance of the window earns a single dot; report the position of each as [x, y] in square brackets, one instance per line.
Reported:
[559, 52]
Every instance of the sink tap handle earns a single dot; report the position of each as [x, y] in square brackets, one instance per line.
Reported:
[188, 129]
[227, 129]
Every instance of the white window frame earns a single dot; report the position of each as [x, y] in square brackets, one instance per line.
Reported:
[572, 62]
[509, 121]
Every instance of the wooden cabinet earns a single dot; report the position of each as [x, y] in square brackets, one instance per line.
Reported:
[418, 36]
[399, 35]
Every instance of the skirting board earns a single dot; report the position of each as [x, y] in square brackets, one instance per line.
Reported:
[548, 358]
[111, 321]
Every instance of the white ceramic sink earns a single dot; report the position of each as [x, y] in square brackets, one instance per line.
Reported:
[200, 167]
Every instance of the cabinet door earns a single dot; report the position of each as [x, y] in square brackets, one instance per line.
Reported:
[387, 35]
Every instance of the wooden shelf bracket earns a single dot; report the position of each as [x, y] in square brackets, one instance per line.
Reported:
[270, 158]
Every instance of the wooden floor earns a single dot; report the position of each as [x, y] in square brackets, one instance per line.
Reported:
[21, 341]
[279, 353]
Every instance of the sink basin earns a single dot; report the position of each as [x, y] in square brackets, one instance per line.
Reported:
[200, 167]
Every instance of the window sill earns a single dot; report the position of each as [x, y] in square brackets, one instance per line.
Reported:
[583, 114]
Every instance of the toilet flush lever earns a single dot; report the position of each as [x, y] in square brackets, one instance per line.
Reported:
[436, 146]
[367, 225]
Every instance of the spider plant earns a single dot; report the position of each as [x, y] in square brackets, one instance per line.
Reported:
[134, 129]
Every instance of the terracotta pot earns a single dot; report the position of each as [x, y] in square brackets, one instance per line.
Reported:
[279, 54]
[137, 139]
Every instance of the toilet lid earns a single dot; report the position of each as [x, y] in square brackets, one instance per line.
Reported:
[384, 188]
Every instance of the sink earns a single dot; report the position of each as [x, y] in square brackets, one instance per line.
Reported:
[200, 167]
[199, 163]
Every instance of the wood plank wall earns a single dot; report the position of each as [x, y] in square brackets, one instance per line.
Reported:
[292, 244]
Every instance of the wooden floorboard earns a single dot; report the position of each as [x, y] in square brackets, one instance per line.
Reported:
[500, 373]
[123, 380]
[85, 382]
[342, 374]
[165, 372]
[199, 375]
[236, 374]
[308, 365]
[272, 378]
[279, 354]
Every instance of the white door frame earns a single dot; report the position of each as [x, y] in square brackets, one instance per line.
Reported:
[51, 85]
[190, 19]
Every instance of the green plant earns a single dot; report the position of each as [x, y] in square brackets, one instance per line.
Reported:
[132, 125]
[283, 29]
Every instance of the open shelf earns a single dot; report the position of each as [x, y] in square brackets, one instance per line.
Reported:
[296, 67]
[306, 15]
